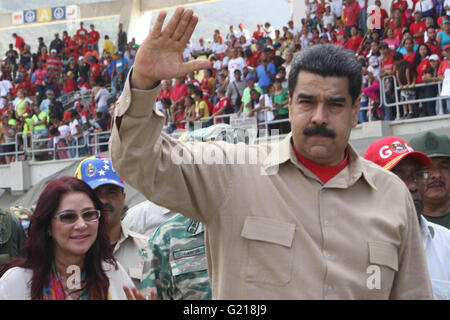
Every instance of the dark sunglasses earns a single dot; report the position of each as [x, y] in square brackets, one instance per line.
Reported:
[69, 217]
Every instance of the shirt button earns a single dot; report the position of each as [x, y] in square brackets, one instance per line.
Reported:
[330, 289]
[328, 255]
[326, 222]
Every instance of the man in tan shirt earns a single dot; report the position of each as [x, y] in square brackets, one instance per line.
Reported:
[305, 218]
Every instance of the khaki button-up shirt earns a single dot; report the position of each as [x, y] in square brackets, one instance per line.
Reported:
[132, 251]
[273, 230]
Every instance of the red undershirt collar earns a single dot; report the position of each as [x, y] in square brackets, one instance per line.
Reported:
[324, 173]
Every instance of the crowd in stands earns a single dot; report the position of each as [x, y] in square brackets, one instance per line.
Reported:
[406, 47]
[41, 93]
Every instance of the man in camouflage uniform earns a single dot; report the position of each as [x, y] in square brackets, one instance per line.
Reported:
[12, 236]
[178, 268]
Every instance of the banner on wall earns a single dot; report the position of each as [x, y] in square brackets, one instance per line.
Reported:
[45, 15]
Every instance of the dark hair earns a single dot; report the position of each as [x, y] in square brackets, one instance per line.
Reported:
[198, 92]
[417, 58]
[397, 56]
[327, 60]
[166, 101]
[54, 131]
[39, 244]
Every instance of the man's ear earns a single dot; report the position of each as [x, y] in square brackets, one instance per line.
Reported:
[355, 111]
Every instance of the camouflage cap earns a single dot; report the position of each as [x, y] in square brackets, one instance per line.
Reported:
[431, 143]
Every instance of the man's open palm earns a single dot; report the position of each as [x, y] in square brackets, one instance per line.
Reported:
[160, 56]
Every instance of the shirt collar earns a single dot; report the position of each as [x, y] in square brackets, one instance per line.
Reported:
[283, 151]
[427, 229]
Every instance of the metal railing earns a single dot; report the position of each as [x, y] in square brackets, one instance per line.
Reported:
[38, 148]
[397, 103]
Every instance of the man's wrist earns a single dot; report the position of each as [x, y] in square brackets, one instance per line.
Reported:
[142, 83]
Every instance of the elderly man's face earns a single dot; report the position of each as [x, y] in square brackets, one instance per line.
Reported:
[438, 183]
[410, 171]
[322, 115]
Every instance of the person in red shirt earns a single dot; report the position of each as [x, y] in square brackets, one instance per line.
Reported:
[178, 92]
[340, 38]
[421, 65]
[96, 69]
[20, 43]
[66, 38]
[387, 60]
[166, 87]
[220, 106]
[378, 18]
[402, 7]
[398, 14]
[444, 63]
[94, 35]
[408, 44]
[418, 28]
[82, 32]
[432, 42]
[259, 32]
[397, 27]
[354, 42]
[351, 13]
[69, 83]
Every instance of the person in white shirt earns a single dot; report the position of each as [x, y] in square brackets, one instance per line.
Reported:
[328, 16]
[145, 218]
[5, 86]
[243, 32]
[337, 8]
[423, 5]
[199, 49]
[447, 7]
[237, 62]
[269, 31]
[397, 156]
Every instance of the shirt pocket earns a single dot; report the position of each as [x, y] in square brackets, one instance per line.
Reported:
[384, 255]
[270, 254]
[189, 270]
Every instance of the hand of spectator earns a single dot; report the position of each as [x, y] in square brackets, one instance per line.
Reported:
[161, 54]
[134, 294]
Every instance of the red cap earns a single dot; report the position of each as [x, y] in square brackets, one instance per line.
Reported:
[340, 33]
[388, 151]
[66, 115]
[241, 25]
[447, 46]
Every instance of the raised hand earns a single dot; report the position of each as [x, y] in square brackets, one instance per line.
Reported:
[160, 56]
[134, 294]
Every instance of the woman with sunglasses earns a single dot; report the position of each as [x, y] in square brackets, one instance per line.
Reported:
[67, 254]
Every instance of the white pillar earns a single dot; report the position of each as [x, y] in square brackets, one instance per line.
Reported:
[298, 12]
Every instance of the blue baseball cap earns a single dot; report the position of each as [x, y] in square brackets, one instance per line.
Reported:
[97, 171]
[250, 77]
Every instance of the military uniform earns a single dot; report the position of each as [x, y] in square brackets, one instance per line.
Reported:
[178, 267]
[11, 236]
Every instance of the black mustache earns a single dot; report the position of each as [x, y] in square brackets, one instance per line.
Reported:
[315, 130]
[438, 183]
[109, 207]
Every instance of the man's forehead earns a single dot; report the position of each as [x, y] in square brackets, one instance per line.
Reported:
[314, 84]
[407, 163]
[107, 187]
[437, 160]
